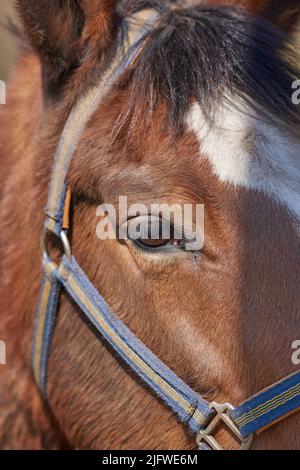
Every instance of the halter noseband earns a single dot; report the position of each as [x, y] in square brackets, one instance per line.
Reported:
[260, 411]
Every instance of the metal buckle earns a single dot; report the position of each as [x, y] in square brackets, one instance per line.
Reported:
[205, 439]
[66, 248]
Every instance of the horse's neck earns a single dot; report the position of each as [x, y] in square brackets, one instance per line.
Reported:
[20, 258]
[18, 124]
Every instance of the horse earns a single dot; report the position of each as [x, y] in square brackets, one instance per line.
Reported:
[204, 115]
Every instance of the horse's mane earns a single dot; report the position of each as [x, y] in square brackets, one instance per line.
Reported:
[206, 53]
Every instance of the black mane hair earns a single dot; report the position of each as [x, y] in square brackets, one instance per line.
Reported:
[205, 53]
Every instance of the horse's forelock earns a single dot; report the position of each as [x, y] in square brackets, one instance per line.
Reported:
[204, 53]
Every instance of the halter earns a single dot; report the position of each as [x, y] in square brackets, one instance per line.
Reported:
[252, 416]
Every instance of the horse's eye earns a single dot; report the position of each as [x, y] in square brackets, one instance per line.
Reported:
[158, 243]
[153, 233]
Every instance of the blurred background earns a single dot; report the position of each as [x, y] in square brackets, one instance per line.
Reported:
[8, 44]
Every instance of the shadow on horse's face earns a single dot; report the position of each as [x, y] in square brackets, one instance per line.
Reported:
[223, 316]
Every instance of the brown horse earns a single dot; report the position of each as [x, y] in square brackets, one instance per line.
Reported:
[204, 115]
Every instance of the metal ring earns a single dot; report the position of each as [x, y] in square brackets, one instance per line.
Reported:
[66, 244]
[64, 241]
[206, 439]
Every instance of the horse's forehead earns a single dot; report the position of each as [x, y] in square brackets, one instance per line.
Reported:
[238, 149]
[149, 161]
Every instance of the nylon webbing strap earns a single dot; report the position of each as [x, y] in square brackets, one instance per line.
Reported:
[268, 406]
[44, 324]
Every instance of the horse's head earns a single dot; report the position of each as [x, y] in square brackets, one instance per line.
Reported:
[205, 116]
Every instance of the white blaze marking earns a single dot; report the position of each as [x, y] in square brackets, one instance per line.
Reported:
[247, 152]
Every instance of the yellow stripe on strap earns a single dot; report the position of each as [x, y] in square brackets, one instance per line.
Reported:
[49, 268]
[40, 328]
[270, 405]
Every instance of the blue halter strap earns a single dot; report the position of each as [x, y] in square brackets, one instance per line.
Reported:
[255, 414]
